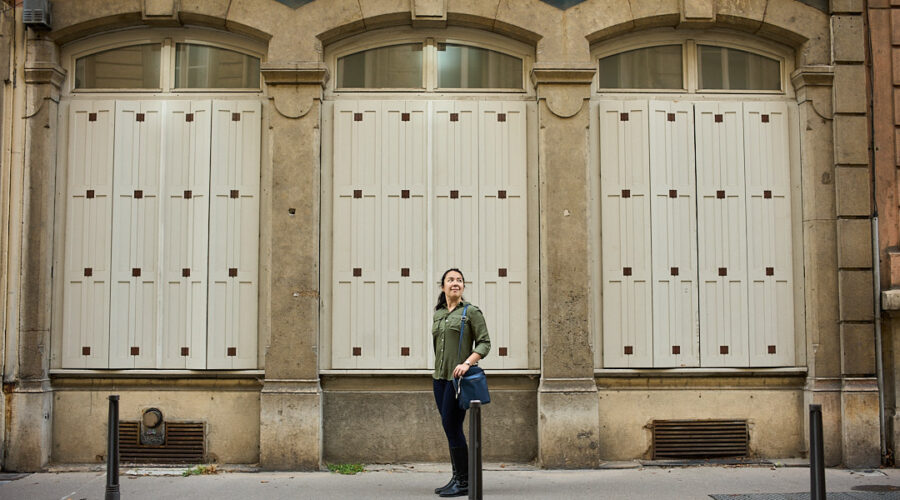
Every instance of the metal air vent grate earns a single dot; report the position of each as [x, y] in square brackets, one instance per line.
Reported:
[184, 444]
[700, 438]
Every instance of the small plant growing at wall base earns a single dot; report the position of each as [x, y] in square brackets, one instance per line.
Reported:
[349, 469]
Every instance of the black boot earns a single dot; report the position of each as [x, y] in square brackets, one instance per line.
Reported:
[437, 491]
[459, 487]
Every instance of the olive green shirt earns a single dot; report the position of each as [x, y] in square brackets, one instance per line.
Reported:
[445, 334]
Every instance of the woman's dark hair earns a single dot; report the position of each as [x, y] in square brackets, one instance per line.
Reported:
[442, 298]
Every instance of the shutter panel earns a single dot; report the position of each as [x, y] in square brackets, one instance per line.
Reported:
[676, 334]
[503, 234]
[721, 229]
[455, 142]
[185, 233]
[404, 183]
[234, 235]
[625, 207]
[89, 193]
[135, 250]
[769, 267]
[357, 234]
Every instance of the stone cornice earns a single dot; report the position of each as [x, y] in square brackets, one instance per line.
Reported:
[43, 73]
[819, 75]
[302, 73]
[573, 74]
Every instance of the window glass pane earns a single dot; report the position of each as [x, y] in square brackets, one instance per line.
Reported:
[649, 68]
[202, 66]
[732, 69]
[464, 67]
[135, 67]
[394, 67]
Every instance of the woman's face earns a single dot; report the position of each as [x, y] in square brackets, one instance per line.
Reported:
[453, 285]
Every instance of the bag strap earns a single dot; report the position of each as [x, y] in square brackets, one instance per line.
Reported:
[462, 331]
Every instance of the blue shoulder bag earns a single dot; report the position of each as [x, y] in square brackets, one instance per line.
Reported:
[473, 385]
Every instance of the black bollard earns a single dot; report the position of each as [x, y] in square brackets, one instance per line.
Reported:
[112, 450]
[475, 491]
[816, 454]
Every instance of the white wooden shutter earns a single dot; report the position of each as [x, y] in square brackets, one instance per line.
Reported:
[401, 341]
[234, 235]
[767, 173]
[625, 234]
[721, 229]
[676, 333]
[135, 251]
[185, 233]
[455, 142]
[503, 231]
[89, 193]
[357, 234]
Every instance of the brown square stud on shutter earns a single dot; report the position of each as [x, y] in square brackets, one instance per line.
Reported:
[189, 117]
[404, 272]
[139, 117]
[765, 118]
[90, 193]
[501, 194]
[135, 351]
[404, 117]
[501, 272]
[503, 351]
[138, 194]
[623, 117]
[673, 193]
[501, 117]
[235, 117]
[92, 117]
[85, 351]
[673, 271]
[357, 193]
[629, 349]
[185, 351]
[404, 351]
[232, 272]
[88, 271]
[404, 193]
[454, 117]
[770, 271]
[357, 272]
[720, 194]
[723, 349]
[676, 349]
[188, 194]
[454, 194]
[235, 193]
[626, 193]
[771, 349]
[357, 351]
[357, 117]
[232, 351]
[135, 271]
[717, 118]
[626, 271]
[723, 271]
[767, 194]
[186, 272]
[670, 117]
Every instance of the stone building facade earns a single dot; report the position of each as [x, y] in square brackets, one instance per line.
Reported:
[236, 211]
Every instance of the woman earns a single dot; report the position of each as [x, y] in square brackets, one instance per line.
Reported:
[452, 361]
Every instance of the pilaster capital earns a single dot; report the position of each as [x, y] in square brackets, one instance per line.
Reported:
[569, 74]
[294, 73]
[41, 73]
[813, 75]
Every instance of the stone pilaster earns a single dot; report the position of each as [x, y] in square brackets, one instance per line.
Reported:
[29, 397]
[568, 405]
[291, 398]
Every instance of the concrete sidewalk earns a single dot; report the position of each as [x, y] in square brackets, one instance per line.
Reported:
[419, 480]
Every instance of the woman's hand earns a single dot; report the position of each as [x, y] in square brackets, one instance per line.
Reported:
[460, 370]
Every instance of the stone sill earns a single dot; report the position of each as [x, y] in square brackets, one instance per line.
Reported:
[701, 372]
[144, 374]
[416, 372]
[890, 300]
